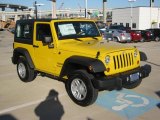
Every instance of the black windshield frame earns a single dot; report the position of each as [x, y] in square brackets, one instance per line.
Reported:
[79, 32]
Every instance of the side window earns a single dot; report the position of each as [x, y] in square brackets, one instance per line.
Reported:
[42, 31]
[27, 31]
[24, 31]
[18, 31]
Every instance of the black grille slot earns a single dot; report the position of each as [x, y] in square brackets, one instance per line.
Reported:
[114, 62]
[121, 61]
[118, 61]
[124, 60]
[127, 59]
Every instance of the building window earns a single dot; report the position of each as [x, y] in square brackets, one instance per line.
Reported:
[134, 25]
[127, 24]
[115, 23]
[121, 23]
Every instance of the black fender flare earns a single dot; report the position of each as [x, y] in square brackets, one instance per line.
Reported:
[77, 62]
[24, 52]
[143, 56]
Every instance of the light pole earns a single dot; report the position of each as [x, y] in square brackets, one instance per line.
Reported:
[86, 9]
[158, 19]
[36, 9]
[131, 1]
[40, 10]
[104, 11]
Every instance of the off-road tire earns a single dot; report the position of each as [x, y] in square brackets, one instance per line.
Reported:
[142, 40]
[84, 80]
[115, 39]
[25, 73]
[157, 39]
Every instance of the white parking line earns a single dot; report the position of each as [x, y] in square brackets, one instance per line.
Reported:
[27, 104]
[7, 74]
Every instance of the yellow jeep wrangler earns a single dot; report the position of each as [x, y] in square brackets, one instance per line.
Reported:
[72, 51]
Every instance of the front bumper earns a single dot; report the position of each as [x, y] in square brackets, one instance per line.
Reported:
[119, 80]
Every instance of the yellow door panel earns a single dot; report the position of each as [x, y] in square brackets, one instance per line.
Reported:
[45, 54]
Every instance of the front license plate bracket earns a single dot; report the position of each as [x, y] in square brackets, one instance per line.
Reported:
[134, 77]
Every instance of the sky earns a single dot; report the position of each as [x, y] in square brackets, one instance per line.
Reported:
[73, 4]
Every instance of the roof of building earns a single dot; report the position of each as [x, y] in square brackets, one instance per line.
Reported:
[136, 7]
[13, 6]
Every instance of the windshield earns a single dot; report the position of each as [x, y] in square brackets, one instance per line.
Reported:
[76, 29]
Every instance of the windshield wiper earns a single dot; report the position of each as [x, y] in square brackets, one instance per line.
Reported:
[77, 39]
[95, 38]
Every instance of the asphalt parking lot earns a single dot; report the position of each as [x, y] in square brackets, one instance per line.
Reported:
[46, 99]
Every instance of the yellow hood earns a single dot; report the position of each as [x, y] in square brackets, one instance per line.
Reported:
[91, 47]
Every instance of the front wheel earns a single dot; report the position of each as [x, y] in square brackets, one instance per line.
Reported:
[80, 88]
[25, 73]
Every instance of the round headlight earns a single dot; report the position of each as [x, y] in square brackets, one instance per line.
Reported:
[107, 59]
[135, 53]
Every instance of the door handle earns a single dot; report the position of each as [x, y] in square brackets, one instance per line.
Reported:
[36, 46]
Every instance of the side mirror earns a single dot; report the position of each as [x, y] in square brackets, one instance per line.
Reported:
[47, 39]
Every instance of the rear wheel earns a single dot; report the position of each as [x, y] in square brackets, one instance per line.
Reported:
[25, 73]
[80, 88]
[142, 40]
[115, 39]
[157, 39]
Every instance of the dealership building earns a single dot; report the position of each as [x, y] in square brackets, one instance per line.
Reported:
[137, 18]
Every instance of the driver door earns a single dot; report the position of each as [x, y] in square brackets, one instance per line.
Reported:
[44, 53]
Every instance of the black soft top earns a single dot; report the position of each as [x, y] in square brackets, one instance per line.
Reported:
[34, 20]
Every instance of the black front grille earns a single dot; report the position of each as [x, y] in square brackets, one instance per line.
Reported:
[123, 60]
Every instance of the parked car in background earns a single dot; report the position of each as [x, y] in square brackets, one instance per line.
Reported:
[106, 35]
[156, 32]
[120, 35]
[117, 27]
[101, 25]
[120, 27]
[146, 35]
[135, 35]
